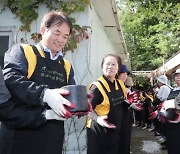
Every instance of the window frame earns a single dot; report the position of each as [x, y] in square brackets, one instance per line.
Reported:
[8, 31]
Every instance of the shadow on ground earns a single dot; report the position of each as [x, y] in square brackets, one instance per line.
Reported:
[144, 142]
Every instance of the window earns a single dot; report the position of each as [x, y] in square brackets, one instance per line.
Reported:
[6, 41]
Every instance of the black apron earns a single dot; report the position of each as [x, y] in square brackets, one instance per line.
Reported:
[125, 133]
[173, 94]
[172, 132]
[106, 140]
[47, 139]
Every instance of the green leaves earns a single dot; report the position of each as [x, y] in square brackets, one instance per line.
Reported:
[26, 12]
[151, 29]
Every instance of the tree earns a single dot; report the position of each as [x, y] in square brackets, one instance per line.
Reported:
[151, 29]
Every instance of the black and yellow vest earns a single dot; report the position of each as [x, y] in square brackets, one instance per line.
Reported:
[103, 108]
[150, 97]
[32, 60]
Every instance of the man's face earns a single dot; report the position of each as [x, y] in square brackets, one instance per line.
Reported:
[55, 37]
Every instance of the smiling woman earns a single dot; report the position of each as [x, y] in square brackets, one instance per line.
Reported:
[110, 66]
[103, 125]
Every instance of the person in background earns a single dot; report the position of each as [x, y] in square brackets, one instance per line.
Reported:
[123, 73]
[127, 113]
[140, 114]
[104, 122]
[147, 105]
[132, 120]
[152, 108]
[34, 75]
[171, 112]
[160, 97]
[125, 133]
[155, 89]
[129, 84]
[164, 90]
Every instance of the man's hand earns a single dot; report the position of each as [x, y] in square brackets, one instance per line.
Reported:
[102, 120]
[54, 98]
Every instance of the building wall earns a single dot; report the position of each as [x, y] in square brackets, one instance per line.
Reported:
[87, 58]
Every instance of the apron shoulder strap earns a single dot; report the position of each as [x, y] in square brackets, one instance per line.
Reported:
[36, 50]
[104, 82]
[30, 57]
[122, 86]
[104, 88]
[31, 52]
[67, 67]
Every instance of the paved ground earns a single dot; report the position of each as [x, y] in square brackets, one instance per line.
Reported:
[144, 142]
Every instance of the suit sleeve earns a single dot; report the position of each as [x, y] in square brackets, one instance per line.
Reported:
[97, 96]
[18, 116]
[15, 74]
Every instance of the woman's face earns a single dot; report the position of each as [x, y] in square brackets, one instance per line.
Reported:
[123, 76]
[177, 79]
[110, 67]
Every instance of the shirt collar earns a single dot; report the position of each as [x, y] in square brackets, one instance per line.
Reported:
[176, 88]
[48, 50]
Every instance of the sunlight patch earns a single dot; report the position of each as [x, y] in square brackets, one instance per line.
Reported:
[151, 147]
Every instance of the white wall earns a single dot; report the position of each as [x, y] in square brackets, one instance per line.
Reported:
[9, 19]
[87, 58]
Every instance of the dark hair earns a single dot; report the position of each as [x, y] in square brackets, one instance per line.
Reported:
[123, 69]
[56, 18]
[112, 55]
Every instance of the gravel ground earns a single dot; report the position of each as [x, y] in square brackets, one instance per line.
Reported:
[144, 142]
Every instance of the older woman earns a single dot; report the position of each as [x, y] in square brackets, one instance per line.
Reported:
[104, 122]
